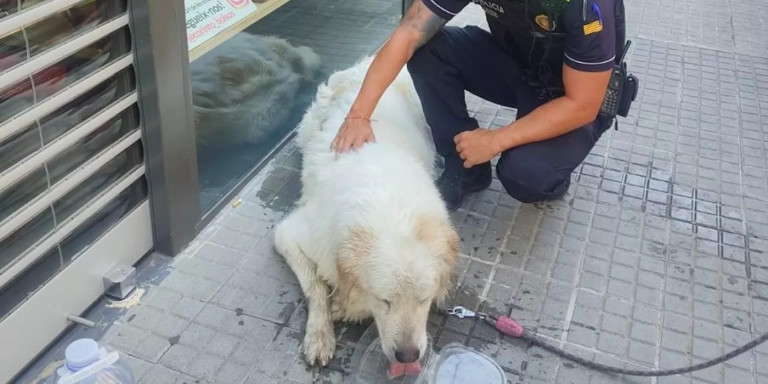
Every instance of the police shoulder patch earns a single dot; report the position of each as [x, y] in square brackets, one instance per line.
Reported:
[593, 27]
[545, 22]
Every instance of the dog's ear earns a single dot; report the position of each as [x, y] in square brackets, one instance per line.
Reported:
[442, 239]
[354, 250]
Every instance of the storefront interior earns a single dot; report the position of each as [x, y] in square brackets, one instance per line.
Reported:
[250, 90]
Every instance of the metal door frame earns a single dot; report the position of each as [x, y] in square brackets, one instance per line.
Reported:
[165, 96]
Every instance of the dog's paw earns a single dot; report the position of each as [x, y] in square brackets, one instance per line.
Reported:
[319, 346]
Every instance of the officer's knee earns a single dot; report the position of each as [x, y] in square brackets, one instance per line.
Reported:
[526, 182]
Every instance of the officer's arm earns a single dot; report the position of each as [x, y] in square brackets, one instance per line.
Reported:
[590, 52]
[584, 93]
[418, 26]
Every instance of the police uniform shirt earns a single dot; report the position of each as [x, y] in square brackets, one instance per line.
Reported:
[582, 34]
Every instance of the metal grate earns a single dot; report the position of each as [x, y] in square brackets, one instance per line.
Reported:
[71, 154]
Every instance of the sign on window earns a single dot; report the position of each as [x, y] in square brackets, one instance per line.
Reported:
[208, 18]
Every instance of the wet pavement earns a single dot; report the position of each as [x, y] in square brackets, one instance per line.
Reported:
[656, 258]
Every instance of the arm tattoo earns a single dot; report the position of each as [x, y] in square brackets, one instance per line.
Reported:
[422, 20]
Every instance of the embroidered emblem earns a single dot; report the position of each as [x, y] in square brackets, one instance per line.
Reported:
[593, 27]
[545, 23]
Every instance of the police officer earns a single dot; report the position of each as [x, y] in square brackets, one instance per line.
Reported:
[549, 59]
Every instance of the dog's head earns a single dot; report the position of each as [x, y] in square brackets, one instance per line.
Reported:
[396, 277]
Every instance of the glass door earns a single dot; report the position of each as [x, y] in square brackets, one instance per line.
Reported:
[255, 66]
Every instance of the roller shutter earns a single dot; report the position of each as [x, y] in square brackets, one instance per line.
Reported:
[73, 192]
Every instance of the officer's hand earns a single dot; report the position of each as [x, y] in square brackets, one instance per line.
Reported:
[354, 132]
[477, 146]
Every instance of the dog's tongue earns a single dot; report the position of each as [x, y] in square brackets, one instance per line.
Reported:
[399, 369]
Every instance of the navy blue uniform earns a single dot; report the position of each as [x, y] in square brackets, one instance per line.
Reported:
[517, 66]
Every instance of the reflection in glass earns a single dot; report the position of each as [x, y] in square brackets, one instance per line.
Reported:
[253, 89]
[108, 174]
[243, 94]
[8, 7]
[24, 237]
[100, 223]
[16, 98]
[22, 192]
[79, 65]
[64, 25]
[56, 77]
[13, 49]
[18, 290]
[80, 152]
[243, 89]
[82, 108]
[30, 3]
[53, 126]
[19, 146]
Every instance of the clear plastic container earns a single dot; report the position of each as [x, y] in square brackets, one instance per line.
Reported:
[372, 364]
[88, 363]
[455, 364]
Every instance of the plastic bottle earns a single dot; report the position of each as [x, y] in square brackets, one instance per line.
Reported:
[88, 363]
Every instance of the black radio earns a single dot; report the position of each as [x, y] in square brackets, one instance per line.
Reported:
[610, 107]
[621, 92]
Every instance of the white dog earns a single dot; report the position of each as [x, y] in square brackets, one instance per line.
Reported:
[370, 236]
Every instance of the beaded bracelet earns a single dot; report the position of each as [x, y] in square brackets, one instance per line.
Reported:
[357, 117]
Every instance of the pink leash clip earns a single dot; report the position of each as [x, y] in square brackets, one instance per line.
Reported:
[509, 327]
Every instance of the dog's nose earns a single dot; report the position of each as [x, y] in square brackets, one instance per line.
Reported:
[407, 355]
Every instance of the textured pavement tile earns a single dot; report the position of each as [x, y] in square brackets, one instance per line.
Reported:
[138, 367]
[235, 239]
[159, 374]
[263, 297]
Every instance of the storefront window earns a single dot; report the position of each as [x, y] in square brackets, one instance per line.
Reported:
[255, 67]
[58, 162]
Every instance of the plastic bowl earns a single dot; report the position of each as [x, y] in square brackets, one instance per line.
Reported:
[455, 364]
[372, 364]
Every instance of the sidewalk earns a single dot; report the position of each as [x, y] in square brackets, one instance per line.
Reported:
[656, 258]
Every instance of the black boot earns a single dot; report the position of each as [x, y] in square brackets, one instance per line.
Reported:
[456, 181]
[449, 185]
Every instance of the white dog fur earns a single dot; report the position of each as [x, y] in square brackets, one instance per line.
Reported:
[370, 236]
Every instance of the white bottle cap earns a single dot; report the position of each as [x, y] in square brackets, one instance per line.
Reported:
[81, 353]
